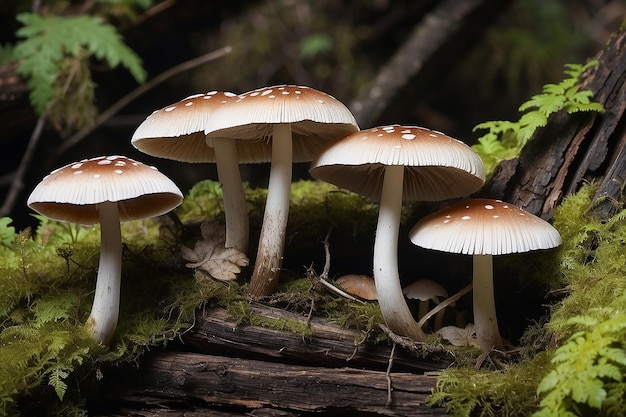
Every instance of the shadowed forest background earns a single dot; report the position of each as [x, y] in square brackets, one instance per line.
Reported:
[503, 53]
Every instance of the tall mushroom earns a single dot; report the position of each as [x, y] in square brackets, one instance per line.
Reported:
[289, 124]
[390, 164]
[177, 132]
[483, 228]
[106, 190]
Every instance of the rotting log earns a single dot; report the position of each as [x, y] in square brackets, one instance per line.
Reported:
[239, 369]
[574, 149]
[329, 345]
[190, 381]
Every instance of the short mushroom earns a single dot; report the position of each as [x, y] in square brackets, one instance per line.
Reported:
[292, 123]
[390, 164]
[106, 190]
[361, 286]
[177, 132]
[483, 228]
[426, 290]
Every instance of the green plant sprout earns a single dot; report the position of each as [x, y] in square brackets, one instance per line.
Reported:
[504, 139]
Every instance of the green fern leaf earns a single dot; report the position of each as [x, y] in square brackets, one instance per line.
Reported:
[554, 89]
[530, 122]
[47, 40]
[57, 381]
[7, 233]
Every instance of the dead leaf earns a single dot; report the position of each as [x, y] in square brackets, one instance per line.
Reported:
[210, 255]
[459, 337]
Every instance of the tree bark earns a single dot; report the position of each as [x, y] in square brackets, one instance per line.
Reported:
[575, 149]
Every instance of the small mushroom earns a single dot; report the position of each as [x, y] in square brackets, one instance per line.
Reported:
[426, 290]
[391, 164]
[106, 190]
[289, 124]
[483, 228]
[361, 286]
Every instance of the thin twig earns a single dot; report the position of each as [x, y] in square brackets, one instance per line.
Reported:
[142, 89]
[326, 270]
[18, 177]
[388, 374]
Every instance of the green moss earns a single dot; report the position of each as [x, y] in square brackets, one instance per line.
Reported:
[511, 392]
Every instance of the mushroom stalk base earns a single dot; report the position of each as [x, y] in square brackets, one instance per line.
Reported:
[102, 321]
[393, 306]
[485, 319]
[272, 240]
[235, 205]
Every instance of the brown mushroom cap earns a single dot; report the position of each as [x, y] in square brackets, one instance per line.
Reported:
[437, 167]
[316, 119]
[484, 227]
[73, 192]
[361, 286]
[177, 131]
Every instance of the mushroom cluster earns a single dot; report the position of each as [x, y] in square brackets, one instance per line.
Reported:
[279, 124]
[284, 124]
[391, 164]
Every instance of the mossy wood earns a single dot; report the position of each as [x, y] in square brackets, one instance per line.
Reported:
[246, 368]
[573, 149]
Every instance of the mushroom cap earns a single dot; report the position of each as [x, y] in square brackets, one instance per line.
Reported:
[361, 286]
[316, 119]
[424, 290]
[177, 131]
[437, 167]
[484, 227]
[73, 192]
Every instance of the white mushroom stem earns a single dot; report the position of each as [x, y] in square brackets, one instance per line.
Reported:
[395, 311]
[485, 320]
[272, 240]
[106, 304]
[235, 205]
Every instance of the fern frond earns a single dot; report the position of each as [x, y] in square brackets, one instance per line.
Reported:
[564, 96]
[48, 39]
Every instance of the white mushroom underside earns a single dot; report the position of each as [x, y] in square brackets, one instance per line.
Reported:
[498, 228]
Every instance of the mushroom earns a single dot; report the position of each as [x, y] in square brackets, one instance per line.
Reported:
[483, 228]
[106, 190]
[426, 290]
[177, 132]
[390, 164]
[288, 124]
[361, 286]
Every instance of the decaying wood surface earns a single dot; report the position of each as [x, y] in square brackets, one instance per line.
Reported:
[574, 149]
[192, 381]
[329, 345]
[243, 369]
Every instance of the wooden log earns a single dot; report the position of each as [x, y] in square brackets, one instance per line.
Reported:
[330, 345]
[194, 382]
